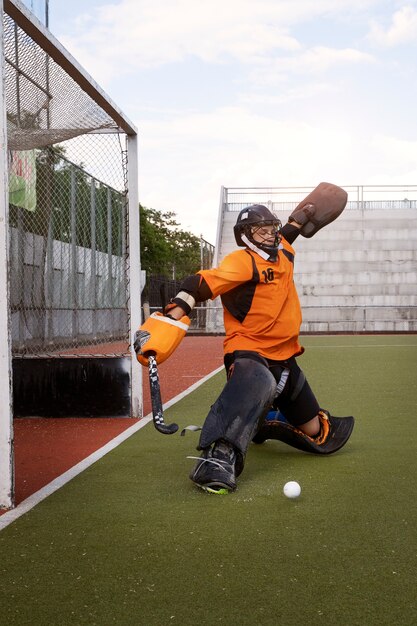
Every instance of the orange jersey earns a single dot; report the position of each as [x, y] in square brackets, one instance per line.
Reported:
[261, 307]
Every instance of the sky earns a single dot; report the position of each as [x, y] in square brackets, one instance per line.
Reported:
[253, 93]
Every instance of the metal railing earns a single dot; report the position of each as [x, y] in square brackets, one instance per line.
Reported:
[351, 319]
[362, 197]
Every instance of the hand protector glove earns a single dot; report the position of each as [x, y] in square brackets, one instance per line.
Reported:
[323, 205]
[165, 336]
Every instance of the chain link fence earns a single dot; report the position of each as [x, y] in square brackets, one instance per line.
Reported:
[160, 289]
[68, 210]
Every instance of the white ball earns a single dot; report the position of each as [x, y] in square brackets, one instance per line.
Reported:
[292, 489]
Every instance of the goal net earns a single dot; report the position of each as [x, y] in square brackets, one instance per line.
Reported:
[67, 209]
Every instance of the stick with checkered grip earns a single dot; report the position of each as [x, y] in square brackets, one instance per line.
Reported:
[141, 337]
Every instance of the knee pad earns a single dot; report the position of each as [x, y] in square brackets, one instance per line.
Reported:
[241, 406]
[298, 403]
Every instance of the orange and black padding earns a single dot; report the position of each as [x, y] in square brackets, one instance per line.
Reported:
[323, 205]
[334, 433]
[165, 335]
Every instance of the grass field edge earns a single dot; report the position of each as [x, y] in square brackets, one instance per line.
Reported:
[29, 503]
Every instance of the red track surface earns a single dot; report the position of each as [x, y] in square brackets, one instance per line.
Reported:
[47, 447]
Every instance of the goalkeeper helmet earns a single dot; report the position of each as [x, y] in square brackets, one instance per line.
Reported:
[258, 227]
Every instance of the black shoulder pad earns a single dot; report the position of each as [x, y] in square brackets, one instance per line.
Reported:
[197, 287]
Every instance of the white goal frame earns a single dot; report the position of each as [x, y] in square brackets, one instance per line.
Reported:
[52, 47]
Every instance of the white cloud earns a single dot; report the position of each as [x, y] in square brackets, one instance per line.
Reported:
[121, 37]
[391, 151]
[320, 58]
[403, 29]
[306, 91]
[228, 147]
[323, 124]
[146, 34]
[316, 60]
[186, 160]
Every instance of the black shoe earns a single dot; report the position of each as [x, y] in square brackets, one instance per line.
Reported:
[215, 469]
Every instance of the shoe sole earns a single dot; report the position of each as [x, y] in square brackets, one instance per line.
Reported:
[222, 491]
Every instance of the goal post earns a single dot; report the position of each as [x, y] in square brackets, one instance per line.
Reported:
[134, 270]
[70, 277]
[6, 415]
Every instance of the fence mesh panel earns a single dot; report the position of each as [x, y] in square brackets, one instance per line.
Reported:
[68, 210]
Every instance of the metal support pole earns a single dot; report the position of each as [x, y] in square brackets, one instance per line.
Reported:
[93, 270]
[110, 303]
[135, 287]
[213, 320]
[73, 266]
[6, 412]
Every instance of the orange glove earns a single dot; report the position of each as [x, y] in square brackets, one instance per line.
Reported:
[165, 336]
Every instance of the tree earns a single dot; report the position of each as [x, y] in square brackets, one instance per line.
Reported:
[167, 250]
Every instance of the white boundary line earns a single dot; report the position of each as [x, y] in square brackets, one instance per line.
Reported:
[60, 481]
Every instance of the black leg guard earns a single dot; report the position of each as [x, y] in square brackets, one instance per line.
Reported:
[335, 431]
[237, 413]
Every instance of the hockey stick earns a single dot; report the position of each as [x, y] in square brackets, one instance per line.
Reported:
[141, 337]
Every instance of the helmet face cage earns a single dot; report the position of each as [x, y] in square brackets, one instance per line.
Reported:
[251, 221]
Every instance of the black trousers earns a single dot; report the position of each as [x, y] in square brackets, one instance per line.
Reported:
[296, 401]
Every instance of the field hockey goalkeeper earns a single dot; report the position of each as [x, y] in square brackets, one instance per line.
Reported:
[262, 319]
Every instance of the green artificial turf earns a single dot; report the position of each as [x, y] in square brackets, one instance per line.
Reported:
[132, 542]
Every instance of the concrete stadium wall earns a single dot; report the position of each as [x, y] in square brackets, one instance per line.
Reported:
[70, 293]
[359, 274]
